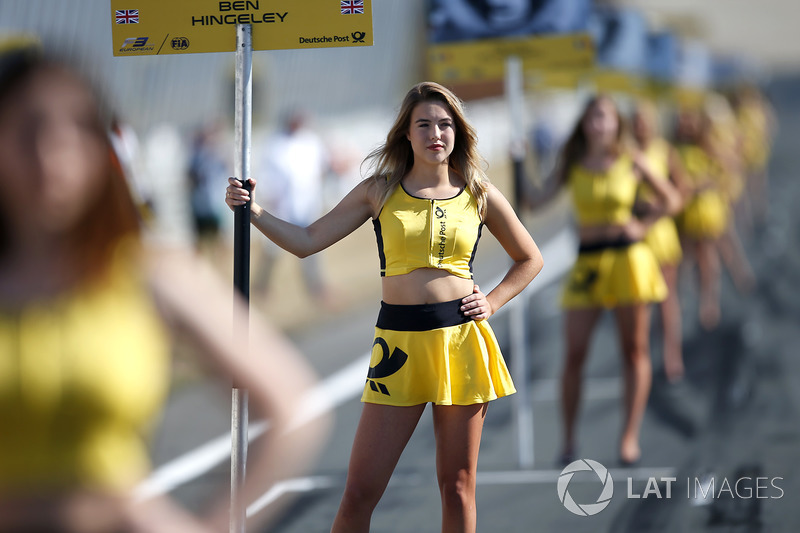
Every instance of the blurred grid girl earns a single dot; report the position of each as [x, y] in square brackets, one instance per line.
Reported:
[86, 316]
[615, 269]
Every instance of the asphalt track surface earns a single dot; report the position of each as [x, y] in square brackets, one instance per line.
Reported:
[733, 421]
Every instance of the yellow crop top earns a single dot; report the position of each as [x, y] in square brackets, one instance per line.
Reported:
[604, 197]
[696, 162]
[80, 378]
[424, 233]
[657, 158]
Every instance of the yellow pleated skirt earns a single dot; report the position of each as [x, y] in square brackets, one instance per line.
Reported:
[433, 353]
[734, 187]
[663, 240]
[756, 154]
[705, 217]
[614, 277]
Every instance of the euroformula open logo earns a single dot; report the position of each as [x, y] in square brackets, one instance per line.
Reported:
[585, 509]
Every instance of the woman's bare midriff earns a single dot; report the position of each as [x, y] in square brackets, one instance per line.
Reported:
[425, 286]
[600, 233]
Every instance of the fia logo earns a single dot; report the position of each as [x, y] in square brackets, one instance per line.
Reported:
[180, 43]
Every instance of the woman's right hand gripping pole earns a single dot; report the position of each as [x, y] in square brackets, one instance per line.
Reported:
[236, 194]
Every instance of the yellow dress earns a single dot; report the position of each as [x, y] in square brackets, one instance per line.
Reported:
[706, 214]
[755, 136]
[726, 136]
[616, 274]
[81, 376]
[662, 237]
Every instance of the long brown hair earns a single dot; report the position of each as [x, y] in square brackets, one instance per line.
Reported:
[394, 158]
[576, 145]
[646, 111]
[114, 215]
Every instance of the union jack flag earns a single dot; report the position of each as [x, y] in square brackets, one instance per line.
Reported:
[352, 7]
[127, 16]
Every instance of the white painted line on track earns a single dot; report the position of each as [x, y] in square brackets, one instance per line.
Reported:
[531, 477]
[190, 465]
[302, 484]
[335, 390]
[507, 477]
[545, 390]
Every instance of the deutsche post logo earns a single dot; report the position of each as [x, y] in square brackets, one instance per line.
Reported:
[358, 36]
[180, 43]
[388, 365]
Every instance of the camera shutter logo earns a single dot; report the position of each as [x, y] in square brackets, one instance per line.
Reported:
[585, 509]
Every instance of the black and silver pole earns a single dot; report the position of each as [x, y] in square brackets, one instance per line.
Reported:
[241, 267]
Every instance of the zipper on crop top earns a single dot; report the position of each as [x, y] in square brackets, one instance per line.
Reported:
[431, 260]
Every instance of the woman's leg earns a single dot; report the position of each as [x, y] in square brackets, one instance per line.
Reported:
[708, 267]
[671, 324]
[735, 260]
[579, 325]
[382, 434]
[759, 192]
[633, 324]
[458, 437]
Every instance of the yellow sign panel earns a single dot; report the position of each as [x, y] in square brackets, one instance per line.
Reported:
[557, 79]
[151, 27]
[18, 41]
[617, 81]
[688, 97]
[484, 60]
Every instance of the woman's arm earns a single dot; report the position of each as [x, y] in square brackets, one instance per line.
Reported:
[549, 190]
[278, 380]
[502, 221]
[346, 217]
[668, 198]
[678, 177]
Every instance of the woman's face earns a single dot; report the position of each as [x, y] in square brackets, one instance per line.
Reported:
[432, 132]
[642, 124]
[601, 123]
[689, 125]
[53, 154]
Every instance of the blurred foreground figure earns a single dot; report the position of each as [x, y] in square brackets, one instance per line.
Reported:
[85, 316]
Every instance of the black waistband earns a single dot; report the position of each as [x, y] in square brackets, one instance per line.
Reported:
[421, 317]
[623, 242]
